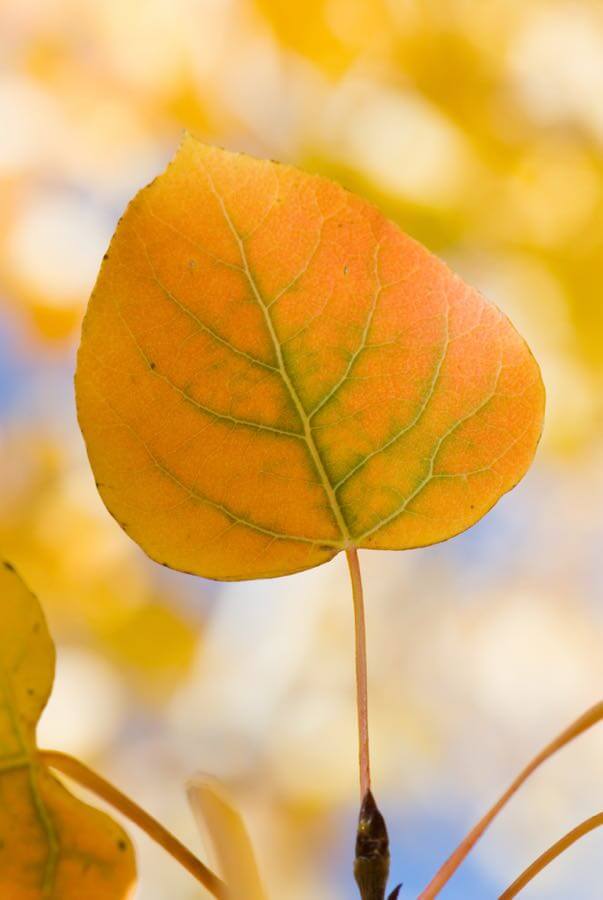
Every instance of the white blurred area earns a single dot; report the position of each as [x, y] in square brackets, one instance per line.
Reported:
[480, 651]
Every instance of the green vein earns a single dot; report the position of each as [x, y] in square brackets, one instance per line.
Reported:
[197, 495]
[432, 461]
[256, 426]
[39, 806]
[417, 417]
[191, 241]
[295, 281]
[363, 339]
[203, 327]
[202, 498]
[312, 446]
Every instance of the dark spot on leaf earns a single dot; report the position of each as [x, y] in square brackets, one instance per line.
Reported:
[36, 628]
[30, 692]
[106, 256]
[121, 844]
[9, 566]
[152, 364]
[346, 269]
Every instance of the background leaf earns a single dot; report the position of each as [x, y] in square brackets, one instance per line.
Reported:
[223, 826]
[271, 371]
[52, 846]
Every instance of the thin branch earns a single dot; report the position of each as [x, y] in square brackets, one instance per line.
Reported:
[88, 779]
[361, 672]
[552, 853]
[445, 873]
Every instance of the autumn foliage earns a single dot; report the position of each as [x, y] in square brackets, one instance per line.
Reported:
[271, 371]
[52, 846]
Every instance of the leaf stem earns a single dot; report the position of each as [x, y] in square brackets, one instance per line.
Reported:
[361, 672]
[447, 870]
[90, 780]
[552, 853]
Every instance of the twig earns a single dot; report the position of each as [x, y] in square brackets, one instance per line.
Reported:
[445, 873]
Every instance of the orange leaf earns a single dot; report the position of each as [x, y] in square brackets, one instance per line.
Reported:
[52, 846]
[270, 372]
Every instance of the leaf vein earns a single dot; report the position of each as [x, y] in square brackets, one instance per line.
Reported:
[432, 461]
[311, 444]
[195, 494]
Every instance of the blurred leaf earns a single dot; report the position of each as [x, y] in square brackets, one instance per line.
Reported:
[270, 372]
[219, 820]
[98, 590]
[52, 846]
[156, 643]
[330, 32]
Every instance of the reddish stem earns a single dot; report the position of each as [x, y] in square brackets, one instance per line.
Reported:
[445, 873]
[361, 672]
[552, 853]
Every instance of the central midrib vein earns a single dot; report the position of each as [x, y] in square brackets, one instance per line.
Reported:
[29, 761]
[309, 438]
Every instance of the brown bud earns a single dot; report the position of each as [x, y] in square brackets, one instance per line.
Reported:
[371, 866]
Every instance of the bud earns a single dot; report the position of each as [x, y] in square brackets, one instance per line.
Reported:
[371, 866]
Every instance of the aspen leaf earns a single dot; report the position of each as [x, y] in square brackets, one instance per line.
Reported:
[223, 825]
[52, 846]
[270, 372]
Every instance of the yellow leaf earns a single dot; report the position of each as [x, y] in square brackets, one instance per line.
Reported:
[216, 816]
[270, 372]
[332, 33]
[52, 846]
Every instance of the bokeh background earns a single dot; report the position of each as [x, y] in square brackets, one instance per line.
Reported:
[478, 126]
